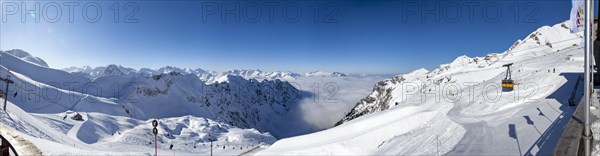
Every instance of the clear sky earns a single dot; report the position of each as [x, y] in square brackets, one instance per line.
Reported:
[376, 37]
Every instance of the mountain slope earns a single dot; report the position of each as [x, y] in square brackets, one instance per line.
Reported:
[459, 108]
[114, 135]
[241, 102]
[43, 74]
[550, 39]
[27, 57]
[204, 75]
[238, 112]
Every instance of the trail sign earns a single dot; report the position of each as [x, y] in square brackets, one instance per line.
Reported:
[154, 123]
[155, 132]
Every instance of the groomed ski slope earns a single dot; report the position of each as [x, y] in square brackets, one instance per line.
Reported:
[42, 134]
[49, 98]
[43, 118]
[466, 112]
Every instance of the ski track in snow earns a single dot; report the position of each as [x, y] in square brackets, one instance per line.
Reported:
[510, 125]
[526, 121]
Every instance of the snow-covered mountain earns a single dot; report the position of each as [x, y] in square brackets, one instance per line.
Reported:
[89, 72]
[546, 38]
[46, 133]
[245, 103]
[325, 74]
[27, 57]
[456, 109]
[205, 75]
[119, 100]
[459, 108]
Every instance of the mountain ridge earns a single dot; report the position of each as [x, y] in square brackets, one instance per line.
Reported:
[552, 38]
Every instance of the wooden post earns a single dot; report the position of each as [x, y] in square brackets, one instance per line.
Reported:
[8, 82]
[5, 147]
[5, 97]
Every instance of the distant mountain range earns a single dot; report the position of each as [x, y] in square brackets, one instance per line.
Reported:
[206, 75]
[235, 97]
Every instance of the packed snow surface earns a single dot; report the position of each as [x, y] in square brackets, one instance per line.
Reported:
[456, 109]
[459, 108]
[108, 110]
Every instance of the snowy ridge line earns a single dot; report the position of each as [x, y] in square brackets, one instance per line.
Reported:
[34, 93]
[536, 40]
[107, 123]
[40, 96]
[41, 74]
[205, 75]
[531, 48]
[186, 90]
[511, 123]
[25, 56]
[470, 119]
[40, 84]
[77, 102]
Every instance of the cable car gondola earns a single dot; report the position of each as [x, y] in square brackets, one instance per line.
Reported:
[507, 82]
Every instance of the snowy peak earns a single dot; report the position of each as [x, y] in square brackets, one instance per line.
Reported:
[113, 70]
[461, 61]
[420, 71]
[205, 75]
[26, 57]
[247, 73]
[258, 74]
[169, 69]
[553, 37]
[240, 102]
[325, 74]
[419, 113]
[84, 69]
[545, 40]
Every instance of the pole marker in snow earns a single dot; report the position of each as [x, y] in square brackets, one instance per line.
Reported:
[155, 132]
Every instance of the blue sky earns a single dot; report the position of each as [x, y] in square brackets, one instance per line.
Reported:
[375, 37]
